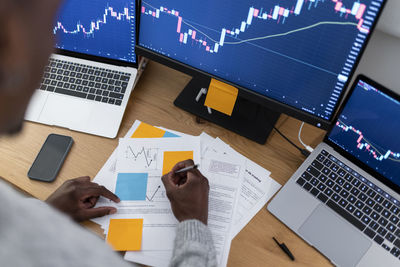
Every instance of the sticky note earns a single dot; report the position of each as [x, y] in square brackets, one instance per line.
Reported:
[171, 158]
[132, 186]
[221, 97]
[147, 131]
[125, 234]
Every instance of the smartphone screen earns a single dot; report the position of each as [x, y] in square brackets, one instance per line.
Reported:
[50, 158]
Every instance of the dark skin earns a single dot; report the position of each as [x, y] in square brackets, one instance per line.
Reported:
[26, 42]
[187, 192]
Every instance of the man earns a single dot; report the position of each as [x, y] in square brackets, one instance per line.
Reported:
[33, 233]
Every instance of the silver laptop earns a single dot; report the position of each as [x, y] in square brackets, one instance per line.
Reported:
[344, 199]
[88, 82]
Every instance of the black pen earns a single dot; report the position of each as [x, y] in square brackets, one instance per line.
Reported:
[284, 248]
[188, 168]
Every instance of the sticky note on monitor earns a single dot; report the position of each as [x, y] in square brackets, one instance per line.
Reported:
[131, 186]
[171, 158]
[125, 234]
[221, 97]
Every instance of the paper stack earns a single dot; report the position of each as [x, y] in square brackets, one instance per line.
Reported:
[144, 225]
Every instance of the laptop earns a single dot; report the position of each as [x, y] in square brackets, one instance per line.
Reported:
[344, 199]
[88, 81]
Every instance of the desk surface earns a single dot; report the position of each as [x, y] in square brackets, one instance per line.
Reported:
[152, 102]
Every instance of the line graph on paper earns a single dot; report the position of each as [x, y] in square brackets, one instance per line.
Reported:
[155, 190]
[142, 158]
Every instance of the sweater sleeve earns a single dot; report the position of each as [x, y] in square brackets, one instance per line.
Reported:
[193, 245]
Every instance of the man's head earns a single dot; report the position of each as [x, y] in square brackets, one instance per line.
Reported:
[26, 41]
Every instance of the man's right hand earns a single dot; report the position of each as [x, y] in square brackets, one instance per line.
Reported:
[188, 193]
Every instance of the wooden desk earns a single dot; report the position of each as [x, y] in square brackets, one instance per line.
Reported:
[152, 102]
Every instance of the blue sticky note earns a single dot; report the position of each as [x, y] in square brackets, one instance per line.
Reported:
[169, 134]
[131, 186]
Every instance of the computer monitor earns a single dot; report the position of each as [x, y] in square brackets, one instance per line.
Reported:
[103, 29]
[294, 57]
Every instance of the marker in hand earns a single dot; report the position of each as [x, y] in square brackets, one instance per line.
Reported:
[187, 169]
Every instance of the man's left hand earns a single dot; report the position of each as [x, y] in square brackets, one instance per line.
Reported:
[77, 197]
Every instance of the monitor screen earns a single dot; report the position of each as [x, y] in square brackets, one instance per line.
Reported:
[368, 129]
[98, 28]
[298, 52]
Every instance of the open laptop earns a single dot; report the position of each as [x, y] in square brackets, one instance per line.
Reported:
[344, 199]
[88, 82]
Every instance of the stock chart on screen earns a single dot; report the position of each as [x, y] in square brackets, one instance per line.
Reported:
[299, 52]
[368, 128]
[97, 27]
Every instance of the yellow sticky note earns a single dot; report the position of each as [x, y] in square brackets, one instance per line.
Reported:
[125, 234]
[147, 131]
[221, 97]
[171, 158]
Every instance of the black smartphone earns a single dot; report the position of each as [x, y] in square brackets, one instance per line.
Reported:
[50, 158]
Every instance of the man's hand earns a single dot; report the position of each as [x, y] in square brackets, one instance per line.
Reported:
[77, 198]
[188, 193]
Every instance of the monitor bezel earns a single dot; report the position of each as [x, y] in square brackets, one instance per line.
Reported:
[252, 95]
[346, 154]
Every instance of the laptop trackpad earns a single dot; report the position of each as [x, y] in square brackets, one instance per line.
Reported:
[66, 111]
[334, 237]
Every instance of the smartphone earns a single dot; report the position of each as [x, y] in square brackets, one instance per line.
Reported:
[50, 158]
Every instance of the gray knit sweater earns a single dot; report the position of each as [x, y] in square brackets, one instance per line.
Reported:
[34, 234]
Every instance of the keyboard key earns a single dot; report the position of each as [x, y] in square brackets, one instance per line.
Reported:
[348, 177]
[391, 227]
[337, 188]
[370, 202]
[386, 247]
[70, 93]
[351, 199]
[359, 204]
[326, 171]
[322, 178]
[118, 102]
[120, 96]
[378, 239]
[86, 89]
[306, 176]
[369, 232]
[354, 191]
[314, 181]
[371, 193]
[395, 251]
[367, 210]
[335, 197]
[343, 203]
[374, 225]
[316, 164]
[386, 214]
[323, 152]
[307, 186]
[51, 88]
[98, 98]
[125, 78]
[105, 100]
[330, 183]
[382, 231]
[314, 191]
[350, 208]
[328, 192]
[365, 219]
[342, 212]
[104, 86]
[111, 101]
[333, 176]
[375, 216]
[300, 181]
[356, 182]
[397, 243]
[91, 97]
[394, 219]
[358, 214]
[387, 204]
[344, 193]
[105, 93]
[378, 208]
[340, 181]
[334, 167]
[362, 196]
[379, 199]
[382, 221]
[397, 233]
[43, 87]
[395, 210]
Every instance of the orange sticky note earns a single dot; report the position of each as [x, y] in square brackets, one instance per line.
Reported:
[171, 158]
[125, 234]
[221, 97]
[147, 131]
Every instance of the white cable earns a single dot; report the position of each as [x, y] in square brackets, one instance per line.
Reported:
[309, 149]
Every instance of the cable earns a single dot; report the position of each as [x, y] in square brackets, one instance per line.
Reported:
[304, 152]
[309, 149]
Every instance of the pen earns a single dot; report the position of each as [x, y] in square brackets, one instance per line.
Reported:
[284, 248]
[188, 169]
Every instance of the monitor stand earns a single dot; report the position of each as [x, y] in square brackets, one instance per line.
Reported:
[248, 119]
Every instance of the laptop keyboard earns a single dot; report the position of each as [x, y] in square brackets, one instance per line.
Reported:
[352, 196]
[83, 81]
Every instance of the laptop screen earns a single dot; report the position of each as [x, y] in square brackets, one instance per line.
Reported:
[98, 28]
[368, 128]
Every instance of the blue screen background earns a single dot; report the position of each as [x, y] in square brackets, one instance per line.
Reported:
[299, 68]
[114, 39]
[375, 115]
